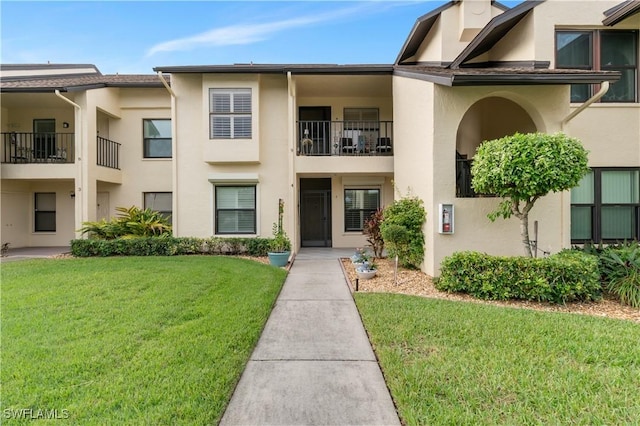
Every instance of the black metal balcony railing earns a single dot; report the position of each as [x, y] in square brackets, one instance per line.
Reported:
[108, 153]
[20, 147]
[345, 138]
[463, 178]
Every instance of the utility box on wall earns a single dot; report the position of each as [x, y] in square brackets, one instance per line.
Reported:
[445, 218]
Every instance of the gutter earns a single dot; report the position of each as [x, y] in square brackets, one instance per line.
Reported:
[79, 195]
[174, 155]
[603, 90]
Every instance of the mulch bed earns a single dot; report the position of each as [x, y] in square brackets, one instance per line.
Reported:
[418, 283]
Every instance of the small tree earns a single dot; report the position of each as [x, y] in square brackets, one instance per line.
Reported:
[524, 167]
[372, 231]
[409, 213]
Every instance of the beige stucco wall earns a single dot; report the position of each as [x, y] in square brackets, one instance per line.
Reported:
[195, 209]
[17, 213]
[427, 120]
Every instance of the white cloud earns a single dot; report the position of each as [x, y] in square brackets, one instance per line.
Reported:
[250, 33]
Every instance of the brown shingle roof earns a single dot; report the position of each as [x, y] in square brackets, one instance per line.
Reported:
[77, 82]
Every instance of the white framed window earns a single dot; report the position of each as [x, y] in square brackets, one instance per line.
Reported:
[235, 209]
[45, 212]
[359, 205]
[230, 113]
[160, 202]
[156, 138]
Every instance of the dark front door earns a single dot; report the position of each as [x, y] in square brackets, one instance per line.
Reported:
[44, 138]
[315, 212]
[315, 124]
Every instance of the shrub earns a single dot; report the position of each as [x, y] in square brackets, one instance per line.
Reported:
[566, 276]
[621, 272]
[372, 231]
[131, 222]
[169, 246]
[409, 213]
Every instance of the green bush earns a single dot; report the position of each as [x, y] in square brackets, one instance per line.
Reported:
[409, 213]
[170, 246]
[564, 277]
[131, 222]
[620, 266]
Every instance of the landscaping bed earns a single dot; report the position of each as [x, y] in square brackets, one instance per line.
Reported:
[414, 282]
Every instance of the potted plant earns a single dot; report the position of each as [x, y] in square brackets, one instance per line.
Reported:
[280, 246]
[367, 270]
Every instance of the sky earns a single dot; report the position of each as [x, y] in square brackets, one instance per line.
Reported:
[132, 37]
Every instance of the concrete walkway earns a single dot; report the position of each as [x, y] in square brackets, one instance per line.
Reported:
[23, 253]
[313, 364]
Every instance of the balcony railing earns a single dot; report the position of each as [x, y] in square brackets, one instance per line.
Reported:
[366, 138]
[463, 178]
[108, 153]
[47, 148]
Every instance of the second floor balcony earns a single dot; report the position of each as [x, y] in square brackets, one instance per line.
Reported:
[352, 138]
[47, 148]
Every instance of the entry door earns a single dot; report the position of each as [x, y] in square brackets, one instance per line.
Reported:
[315, 213]
[102, 207]
[315, 124]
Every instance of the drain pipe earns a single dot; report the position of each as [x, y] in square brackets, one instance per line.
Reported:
[174, 154]
[603, 89]
[79, 195]
[293, 205]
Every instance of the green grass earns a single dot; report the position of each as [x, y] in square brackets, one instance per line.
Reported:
[140, 340]
[465, 363]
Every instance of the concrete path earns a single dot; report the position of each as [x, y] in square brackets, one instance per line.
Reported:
[23, 253]
[313, 364]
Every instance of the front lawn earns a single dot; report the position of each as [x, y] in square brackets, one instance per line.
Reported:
[143, 340]
[467, 363]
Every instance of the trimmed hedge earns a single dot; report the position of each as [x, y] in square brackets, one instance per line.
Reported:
[563, 277]
[170, 246]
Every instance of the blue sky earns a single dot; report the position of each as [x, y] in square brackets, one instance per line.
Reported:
[132, 37]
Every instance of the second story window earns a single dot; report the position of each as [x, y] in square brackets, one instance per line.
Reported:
[157, 138]
[601, 50]
[230, 113]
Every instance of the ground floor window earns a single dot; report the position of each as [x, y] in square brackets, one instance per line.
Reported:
[45, 212]
[359, 205]
[605, 206]
[235, 209]
[160, 202]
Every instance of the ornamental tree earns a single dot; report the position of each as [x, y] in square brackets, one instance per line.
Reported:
[524, 167]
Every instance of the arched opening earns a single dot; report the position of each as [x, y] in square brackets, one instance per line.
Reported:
[489, 118]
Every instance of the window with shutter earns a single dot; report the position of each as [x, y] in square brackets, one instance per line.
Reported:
[359, 205]
[230, 113]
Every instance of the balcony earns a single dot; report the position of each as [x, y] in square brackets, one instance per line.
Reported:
[108, 153]
[29, 148]
[345, 138]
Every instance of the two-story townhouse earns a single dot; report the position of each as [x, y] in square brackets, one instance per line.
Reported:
[76, 144]
[335, 142]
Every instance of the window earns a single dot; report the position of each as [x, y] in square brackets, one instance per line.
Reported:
[600, 50]
[361, 118]
[160, 202]
[235, 209]
[45, 212]
[359, 205]
[230, 113]
[157, 138]
[605, 206]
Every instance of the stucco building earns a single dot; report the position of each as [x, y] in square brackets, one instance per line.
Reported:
[217, 146]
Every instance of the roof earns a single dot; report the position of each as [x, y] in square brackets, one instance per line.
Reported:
[621, 12]
[497, 28]
[76, 82]
[318, 69]
[503, 76]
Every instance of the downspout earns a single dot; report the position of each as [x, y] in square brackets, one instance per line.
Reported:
[79, 195]
[603, 89]
[293, 210]
[174, 154]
